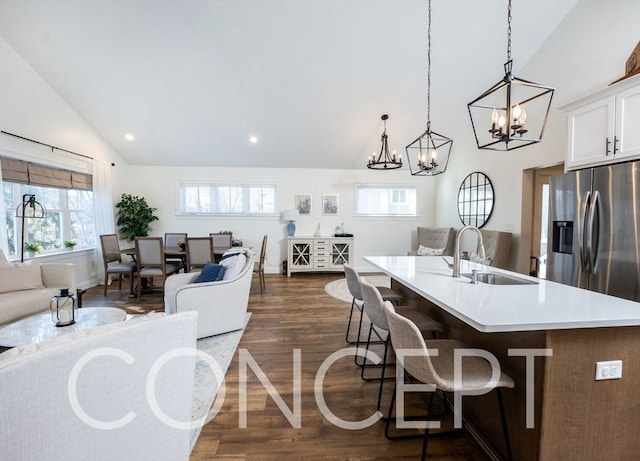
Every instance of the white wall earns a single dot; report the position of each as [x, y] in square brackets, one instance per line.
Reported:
[373, 236]
[29, 107]
[586, 52]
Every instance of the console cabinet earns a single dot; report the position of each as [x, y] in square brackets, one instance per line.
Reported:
[318, 254]
[603, 128]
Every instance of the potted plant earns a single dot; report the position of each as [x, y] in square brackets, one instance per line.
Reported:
[32, 248]
[134, 217]
[69, 244]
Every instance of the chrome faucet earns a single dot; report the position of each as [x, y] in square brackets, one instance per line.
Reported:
[456, 252]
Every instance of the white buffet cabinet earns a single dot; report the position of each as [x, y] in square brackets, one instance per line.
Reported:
[318, 254]
[602, 128]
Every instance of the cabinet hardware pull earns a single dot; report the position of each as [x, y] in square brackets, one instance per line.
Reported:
[606, 146]
[615, 144]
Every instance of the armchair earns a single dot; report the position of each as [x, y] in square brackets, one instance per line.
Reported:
[222, 305]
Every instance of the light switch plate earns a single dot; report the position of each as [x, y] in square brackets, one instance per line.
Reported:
[611, 369]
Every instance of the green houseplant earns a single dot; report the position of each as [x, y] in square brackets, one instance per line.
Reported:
[134, 217]
[69, 244]
[32, 248]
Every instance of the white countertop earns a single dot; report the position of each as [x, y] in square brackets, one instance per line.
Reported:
[501, 308]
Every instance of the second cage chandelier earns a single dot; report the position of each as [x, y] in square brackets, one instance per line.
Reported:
[431, 150]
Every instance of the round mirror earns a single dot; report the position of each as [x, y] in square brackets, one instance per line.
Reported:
[475, 199]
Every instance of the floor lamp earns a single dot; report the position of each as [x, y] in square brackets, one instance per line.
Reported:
[30, 208]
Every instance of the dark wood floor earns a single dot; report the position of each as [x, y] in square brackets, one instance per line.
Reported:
[296, 314]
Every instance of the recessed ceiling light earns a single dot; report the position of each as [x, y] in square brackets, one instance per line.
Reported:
[129, 137]
[253, 139]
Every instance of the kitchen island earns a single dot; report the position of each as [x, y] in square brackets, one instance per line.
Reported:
[565, 413]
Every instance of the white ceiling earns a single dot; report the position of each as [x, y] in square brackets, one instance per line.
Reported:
[193, 79]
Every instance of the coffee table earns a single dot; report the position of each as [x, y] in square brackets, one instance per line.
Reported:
[39, 327]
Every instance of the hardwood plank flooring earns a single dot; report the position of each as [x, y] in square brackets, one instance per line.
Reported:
[296, 314]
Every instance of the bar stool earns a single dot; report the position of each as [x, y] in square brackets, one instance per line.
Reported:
[373, 306]
[438, 370]
[353, 283]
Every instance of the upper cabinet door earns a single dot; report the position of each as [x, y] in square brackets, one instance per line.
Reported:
[590, 134]
[628, 124]
[603, 128]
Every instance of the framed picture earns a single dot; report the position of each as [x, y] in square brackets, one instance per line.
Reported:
[330, 204]
[303, 203]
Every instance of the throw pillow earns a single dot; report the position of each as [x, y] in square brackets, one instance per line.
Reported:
[24, 276]
[210, 273]
[426, 251]
[233, 266]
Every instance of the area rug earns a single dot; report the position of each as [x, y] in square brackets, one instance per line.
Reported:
[338, 288]
[208, 376]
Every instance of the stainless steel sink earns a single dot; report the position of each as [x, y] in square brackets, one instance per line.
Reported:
[491, 278]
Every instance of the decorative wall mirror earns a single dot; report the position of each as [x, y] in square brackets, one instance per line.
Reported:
[475, 199]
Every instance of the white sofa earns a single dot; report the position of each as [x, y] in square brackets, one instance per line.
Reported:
[27, 288]
[222, 305]
[119, 391]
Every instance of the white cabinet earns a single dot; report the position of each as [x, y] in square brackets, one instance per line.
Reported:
[318, 254]
[604, 127]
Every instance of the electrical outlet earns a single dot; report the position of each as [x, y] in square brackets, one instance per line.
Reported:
[609, 370]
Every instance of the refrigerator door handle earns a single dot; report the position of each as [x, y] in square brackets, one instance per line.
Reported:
[582, 233]
[590, 248]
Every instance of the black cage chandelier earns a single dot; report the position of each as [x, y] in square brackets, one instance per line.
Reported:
[384, 160]
[513, 112]
[431, 149]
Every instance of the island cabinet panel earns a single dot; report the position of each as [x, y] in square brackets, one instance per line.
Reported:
[575, 417]
[587, 419]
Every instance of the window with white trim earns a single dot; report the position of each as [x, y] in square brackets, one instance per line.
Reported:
[69, 217]
[226, 199]
[385, 200]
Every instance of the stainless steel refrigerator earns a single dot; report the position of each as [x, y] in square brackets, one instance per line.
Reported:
[594, 227]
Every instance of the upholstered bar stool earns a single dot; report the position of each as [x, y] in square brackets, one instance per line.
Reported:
[422, 365]
[373, 306]
[353, 283]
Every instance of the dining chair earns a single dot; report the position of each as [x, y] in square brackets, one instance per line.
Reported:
[199, 252]
[221, 243]
[258, 267]
[172, 242]
[113, 264]
[373, 306]
[151, 261]
[423, 364]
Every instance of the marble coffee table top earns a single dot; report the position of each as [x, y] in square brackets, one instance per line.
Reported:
[39, 327]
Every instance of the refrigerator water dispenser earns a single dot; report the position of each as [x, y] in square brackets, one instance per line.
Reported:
[562, 238]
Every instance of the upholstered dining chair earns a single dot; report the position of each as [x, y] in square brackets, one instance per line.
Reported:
[173, 240]
[353, 283]
[221, 243]
[373, 306]
[258, 267]
[113, 263]
[151, 261]
[422, 364]
[199, 252]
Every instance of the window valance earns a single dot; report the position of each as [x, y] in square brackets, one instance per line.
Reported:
[23, 172]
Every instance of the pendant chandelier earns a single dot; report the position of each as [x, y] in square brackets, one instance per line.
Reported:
[431, 149]
[384, 160]
[513, 112]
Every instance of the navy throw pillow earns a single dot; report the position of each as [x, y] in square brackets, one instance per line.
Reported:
[210, 273]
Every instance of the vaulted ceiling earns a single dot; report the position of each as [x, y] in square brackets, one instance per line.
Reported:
[192, 80]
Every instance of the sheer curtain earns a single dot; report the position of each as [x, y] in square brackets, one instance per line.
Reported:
[102, 208]
[4, 239]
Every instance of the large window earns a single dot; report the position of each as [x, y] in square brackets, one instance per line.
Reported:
[226, 199]
[69, 217]
[385, 201]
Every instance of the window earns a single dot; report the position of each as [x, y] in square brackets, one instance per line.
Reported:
[226, 199]
[69, 217]
[385, 201]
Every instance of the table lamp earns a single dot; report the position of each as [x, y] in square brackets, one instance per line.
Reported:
[290, 215]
